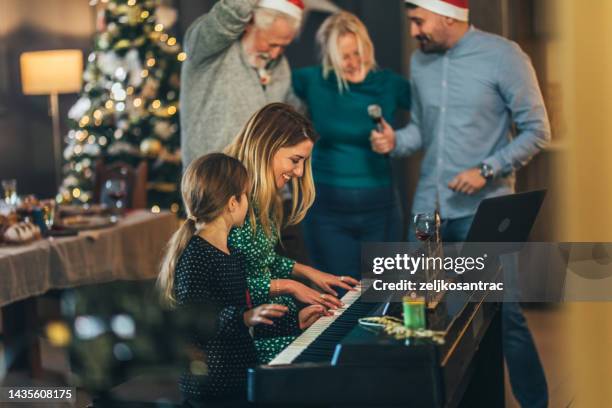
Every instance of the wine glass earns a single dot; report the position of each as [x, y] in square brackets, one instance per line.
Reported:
[116, 190]
[424, 226]
[10, 191]
[425, 229]
[48, 210]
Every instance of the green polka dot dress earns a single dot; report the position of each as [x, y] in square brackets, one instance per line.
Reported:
[263, 264]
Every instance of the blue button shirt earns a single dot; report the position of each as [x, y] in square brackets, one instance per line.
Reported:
[464, 103]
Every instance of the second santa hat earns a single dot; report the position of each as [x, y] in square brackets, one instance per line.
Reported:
[457, 9]
[294, 8]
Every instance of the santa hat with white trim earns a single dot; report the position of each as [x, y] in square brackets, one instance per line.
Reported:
[457, 9]
[293, 8]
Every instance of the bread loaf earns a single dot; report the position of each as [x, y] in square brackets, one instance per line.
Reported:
[21, 233]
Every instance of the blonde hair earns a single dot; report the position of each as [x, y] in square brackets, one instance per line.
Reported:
[207, 186]
[334, 27]
[273, 127]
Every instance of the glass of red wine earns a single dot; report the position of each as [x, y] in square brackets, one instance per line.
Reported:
[424, 226]
[116, 190]
[425, 230]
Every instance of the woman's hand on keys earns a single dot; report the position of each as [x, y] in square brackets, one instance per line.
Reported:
[311, 314]
[310, 296]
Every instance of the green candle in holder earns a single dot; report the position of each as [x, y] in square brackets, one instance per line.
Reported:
[414, 312]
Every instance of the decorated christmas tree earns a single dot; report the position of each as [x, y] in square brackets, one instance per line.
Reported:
[128, 108]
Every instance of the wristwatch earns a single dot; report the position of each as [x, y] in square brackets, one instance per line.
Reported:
[486, 171]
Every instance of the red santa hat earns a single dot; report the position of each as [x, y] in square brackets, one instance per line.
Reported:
[457, 9]
[294, 8]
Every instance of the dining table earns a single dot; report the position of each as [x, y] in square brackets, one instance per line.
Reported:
[128, 249]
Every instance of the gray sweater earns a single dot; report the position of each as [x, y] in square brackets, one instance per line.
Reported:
[219, 89]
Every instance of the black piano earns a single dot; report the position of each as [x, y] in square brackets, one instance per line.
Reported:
[337, 362]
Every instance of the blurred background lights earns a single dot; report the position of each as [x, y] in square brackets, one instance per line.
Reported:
[88, 327]
[123, 326]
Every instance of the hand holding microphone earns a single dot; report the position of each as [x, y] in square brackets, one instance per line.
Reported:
[375, 113]
[383, 137]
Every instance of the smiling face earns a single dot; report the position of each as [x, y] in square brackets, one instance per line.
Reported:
[289, 162]
[351, 62]
[263, 45]
[429, 29]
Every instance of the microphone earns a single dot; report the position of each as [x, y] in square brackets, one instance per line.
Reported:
[375, 113]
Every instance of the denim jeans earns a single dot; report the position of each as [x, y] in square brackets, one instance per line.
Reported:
[524, 367]
[342, 218]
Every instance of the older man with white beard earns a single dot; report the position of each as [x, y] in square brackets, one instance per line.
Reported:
[235, 66]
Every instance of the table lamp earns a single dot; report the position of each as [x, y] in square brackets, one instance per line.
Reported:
[52, 73]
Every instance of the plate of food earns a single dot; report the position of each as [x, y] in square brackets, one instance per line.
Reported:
[87, 222]
[83, 210]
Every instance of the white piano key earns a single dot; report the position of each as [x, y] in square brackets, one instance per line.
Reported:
[305, 339]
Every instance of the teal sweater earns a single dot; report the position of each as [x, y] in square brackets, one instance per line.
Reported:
[343, 157]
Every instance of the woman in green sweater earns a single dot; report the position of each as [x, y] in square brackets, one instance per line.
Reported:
[275, 147]
[356, 201]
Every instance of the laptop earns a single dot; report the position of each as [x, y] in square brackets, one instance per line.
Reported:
[506, 218]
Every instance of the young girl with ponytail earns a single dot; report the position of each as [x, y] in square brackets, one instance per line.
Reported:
[200, 273]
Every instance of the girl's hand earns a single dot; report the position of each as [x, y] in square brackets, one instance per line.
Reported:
[264, 314]
[325, 281]
[311, 314]
[310, 296]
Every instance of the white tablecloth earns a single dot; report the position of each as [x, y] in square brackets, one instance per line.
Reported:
[130, 250]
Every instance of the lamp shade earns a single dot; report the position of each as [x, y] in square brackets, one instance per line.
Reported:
[49, 72]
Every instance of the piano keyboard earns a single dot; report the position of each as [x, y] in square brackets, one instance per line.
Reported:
[318, 342]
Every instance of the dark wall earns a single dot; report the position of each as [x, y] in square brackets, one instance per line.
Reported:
[26, 144]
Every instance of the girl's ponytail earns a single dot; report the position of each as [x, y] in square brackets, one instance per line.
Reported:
[174, 249]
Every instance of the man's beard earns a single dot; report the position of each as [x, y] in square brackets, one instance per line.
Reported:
[257, 60]
[428, 46]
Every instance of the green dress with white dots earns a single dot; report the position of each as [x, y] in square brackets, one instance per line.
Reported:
[263, 264]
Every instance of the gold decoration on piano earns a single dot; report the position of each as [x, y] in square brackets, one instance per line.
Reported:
[395, 327]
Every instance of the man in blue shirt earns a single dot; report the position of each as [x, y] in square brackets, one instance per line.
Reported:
[469, 87]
